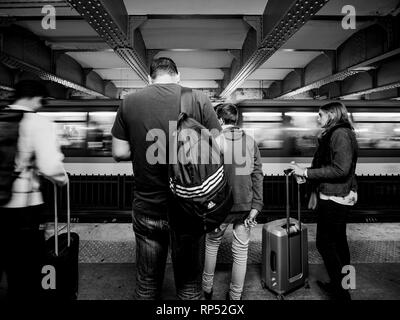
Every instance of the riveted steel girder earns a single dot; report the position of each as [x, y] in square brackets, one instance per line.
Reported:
[15, 63]
[340, 76]
[289, 18]
[372, 90]
[101, 15]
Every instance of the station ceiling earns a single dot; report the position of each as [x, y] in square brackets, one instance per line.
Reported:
[204, 37]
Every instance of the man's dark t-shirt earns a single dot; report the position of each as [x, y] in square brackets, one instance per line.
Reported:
[148, 109]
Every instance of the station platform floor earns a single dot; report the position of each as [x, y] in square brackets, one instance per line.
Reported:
[107, 264]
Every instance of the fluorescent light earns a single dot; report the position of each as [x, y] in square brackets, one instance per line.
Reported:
[102, 114]
[361, 130]
[62, 114]
[262, 116]
[397, 130]
[296, 129]
[363, 69]
[375, 114]
[301, 114]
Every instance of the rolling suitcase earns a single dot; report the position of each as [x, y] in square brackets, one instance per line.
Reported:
[62, 253]
[285, 251]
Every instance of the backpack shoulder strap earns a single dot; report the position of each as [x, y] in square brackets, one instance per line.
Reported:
[186, 104]
[189, 106]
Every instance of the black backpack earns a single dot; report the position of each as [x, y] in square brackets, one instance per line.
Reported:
[197, 179]
[9, 132]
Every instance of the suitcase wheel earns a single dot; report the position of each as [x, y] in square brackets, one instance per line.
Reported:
[280, 297]
[306, 284]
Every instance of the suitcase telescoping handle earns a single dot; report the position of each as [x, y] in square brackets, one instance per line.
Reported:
[56, 219]
[288, 172]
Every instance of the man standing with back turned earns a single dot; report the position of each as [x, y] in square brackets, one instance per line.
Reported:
[142, 113]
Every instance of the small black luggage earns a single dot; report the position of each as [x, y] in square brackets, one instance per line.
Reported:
[62, 253]
[285, 251]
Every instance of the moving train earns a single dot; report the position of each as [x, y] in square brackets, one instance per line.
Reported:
[285, 130]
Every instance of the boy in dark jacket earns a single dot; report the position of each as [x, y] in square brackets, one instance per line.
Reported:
[243, 167]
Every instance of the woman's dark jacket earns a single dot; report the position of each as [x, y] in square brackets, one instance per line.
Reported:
[334, 164]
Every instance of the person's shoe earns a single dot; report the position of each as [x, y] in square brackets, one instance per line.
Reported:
[327, 287]
[334, 294]
[228, 297]
[342, 295]
[208, 295]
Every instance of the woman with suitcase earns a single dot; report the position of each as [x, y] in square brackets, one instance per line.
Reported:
[333, 174]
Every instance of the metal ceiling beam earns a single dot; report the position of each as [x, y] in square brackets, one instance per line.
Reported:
[369, 91]
[339, 18]
[15, 63]
[281, 19]
[340, 76]
[110, 20]
[30, 4]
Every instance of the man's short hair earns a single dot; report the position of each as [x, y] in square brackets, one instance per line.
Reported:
[228, 113]
[30, 89]
[163, 65]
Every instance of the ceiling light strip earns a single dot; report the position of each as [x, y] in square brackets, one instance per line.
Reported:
[98, 17]
[6, 88]
[300, 12]
[16, 63]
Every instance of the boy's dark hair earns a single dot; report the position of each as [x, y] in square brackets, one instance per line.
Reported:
[30, 89]
[228, 113]
[163, 65]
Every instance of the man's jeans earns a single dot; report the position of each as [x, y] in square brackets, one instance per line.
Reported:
[153, 237]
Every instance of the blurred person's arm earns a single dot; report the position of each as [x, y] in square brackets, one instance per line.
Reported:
[48, 157]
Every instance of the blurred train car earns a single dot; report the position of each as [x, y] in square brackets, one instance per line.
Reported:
[285, 130]
[102, 190]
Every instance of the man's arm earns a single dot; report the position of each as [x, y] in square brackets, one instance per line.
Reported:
[121, 150]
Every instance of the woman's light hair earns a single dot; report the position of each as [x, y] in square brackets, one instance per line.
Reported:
[337, 113]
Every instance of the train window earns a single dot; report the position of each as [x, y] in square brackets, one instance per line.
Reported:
[261, 116]
[376, 116]
[71, 135]
[64, 116]
[267, 134]
[378, 135]
[99, 139]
